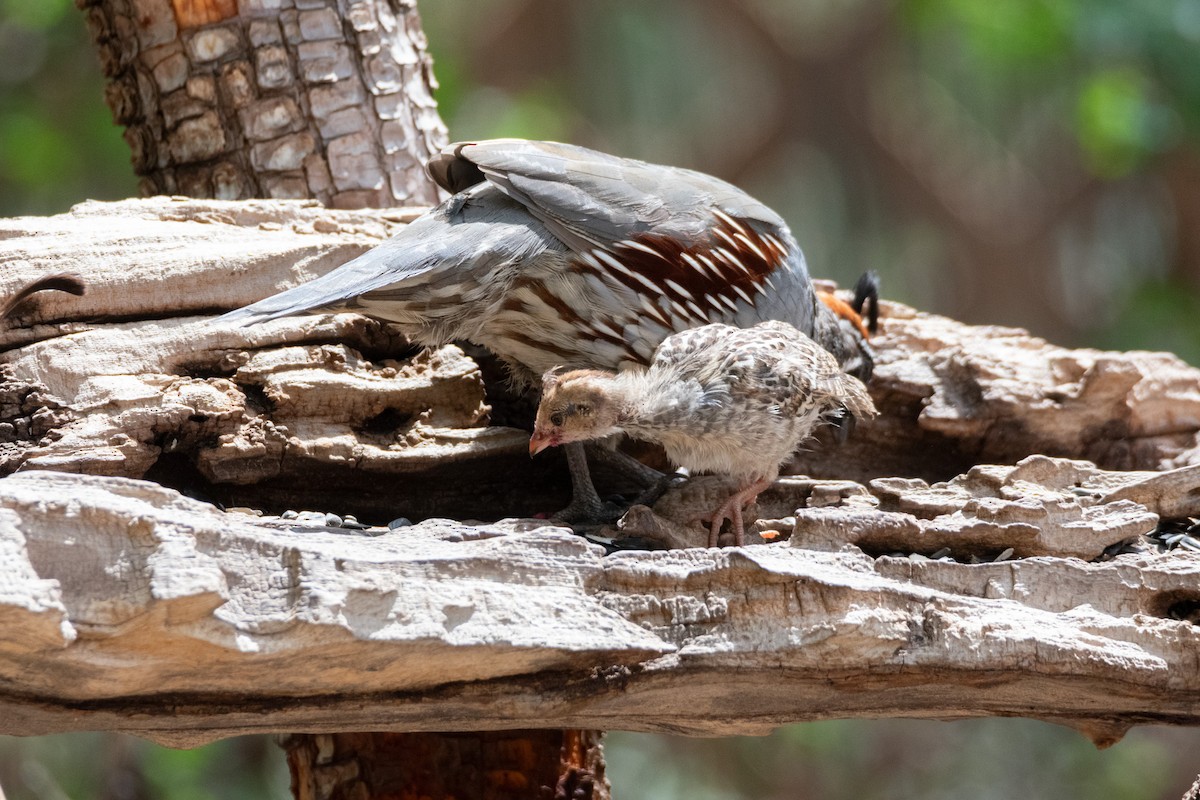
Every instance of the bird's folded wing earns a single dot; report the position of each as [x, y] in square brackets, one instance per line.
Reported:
[591, 199]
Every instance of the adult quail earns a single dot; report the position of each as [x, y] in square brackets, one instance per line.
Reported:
[719, 399]
[550, 254]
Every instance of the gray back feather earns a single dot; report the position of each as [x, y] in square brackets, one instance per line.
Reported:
[588, 198]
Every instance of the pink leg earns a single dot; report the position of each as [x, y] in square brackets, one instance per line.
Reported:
[732, 510]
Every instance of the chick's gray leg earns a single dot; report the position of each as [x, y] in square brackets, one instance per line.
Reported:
[586, 505]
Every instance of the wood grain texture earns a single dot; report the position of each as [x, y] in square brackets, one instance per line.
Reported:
[110, 382]
[129, 607]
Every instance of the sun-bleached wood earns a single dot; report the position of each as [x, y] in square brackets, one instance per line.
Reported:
[129, 607]
[128, 376]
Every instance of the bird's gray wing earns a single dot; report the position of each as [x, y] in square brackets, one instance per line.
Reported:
[692, 248]
[591, 199]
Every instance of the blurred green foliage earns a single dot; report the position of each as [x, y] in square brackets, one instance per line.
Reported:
[1020, 162]
[1132, 69]
[95, 766]
[1118, 125]
[58, 144]
[987, 759]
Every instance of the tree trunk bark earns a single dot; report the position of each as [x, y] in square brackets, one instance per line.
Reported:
[554, 765]
[324, 99]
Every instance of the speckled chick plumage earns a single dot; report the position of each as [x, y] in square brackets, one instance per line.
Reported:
[719, 399]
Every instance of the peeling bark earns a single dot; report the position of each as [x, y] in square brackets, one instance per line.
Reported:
[953, 395]
[328, 99]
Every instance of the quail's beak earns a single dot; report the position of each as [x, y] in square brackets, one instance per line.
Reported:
[539, 441]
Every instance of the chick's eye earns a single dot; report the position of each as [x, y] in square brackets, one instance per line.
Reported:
[556, 418]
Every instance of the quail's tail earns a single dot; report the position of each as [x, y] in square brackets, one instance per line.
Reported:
[397, 266]
[848, 402]
[866, 300]
[435, 278]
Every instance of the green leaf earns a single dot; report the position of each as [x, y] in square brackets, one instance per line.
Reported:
[1118, 122]
[40, 14]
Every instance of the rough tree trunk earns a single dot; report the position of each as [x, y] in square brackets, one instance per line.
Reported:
[328, 99]
[554, 765]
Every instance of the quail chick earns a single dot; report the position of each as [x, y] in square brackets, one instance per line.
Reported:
[719, 399]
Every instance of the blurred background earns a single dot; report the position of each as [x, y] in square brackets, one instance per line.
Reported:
[1033, 163]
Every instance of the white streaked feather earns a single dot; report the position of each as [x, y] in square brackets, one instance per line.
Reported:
[604, 327]
[617, 266]
[675, 287]
[692, 262]
[590, 260]
[757, 250]
[632, 245]
[730, 221]
[709, 267]
[742, 293]
[649, 303]
[730, 259]
[725, 237]
[775, 243]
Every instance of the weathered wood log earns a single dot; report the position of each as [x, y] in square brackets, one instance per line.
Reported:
[133, 608]
[126, 381]
[953, 395]
[129, 607]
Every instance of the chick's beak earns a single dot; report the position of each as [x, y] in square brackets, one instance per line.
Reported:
[539, 441]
